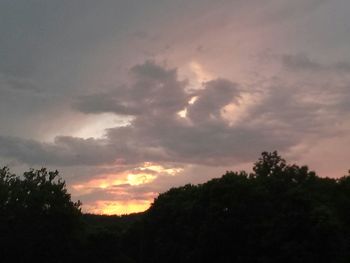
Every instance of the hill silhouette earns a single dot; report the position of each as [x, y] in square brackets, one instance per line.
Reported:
[277, 213]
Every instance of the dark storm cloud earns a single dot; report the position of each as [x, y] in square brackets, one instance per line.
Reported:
[106, 102]
[64, 151]
[210, 101]
[281, 120]
[157, 133]
[47, 46]
[154, 90]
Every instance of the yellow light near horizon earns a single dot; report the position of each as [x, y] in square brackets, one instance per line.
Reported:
[120, 186]
[104, 185]
[78, 187]
[120, 207]
[133, 177]
[160, 169]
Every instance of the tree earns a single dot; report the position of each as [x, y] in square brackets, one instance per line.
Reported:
[278, 213]
[269, 164]
[39, 221]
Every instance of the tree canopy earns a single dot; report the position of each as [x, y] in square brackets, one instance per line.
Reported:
[277, 213]
[38, 220]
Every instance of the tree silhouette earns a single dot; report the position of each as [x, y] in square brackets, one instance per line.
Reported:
[269, 164]
[277, 213]
[38, 219]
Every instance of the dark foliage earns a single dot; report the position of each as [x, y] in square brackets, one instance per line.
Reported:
[38, 220]
[278, 213]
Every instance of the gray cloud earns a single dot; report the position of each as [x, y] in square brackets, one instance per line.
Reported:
[210, 101]
[281, 120]
[155, 90]
[64, 151]
[301, 62]
[159, 134]
[17, 84]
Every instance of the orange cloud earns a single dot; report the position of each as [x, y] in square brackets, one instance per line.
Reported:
[114, 192]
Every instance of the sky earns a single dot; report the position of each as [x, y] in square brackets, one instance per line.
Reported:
[129, 98]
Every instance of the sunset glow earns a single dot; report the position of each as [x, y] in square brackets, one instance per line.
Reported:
[119, 185]
[119, 208]
[140, 178]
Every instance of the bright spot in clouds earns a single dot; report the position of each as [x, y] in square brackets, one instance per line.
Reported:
[200, 73]
[196, 74]
[160, 169]
[95, 126]
[119, 208]
[183, 113]
[234, 112]
[140, 178]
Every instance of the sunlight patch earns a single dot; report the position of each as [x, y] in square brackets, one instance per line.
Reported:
[145, 174]
[235, 112]
[118, 207]
[96, 125]
[183, 113]
[140, 178]
[200, 73]
[160, 169]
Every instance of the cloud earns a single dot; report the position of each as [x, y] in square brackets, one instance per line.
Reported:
[209, 102]
[285, 115]
[154, 90]
[11, 83]
[65, 151]
[320, 89]
[158, 133]
[301, 62]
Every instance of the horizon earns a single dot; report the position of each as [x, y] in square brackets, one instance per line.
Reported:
[127, 99]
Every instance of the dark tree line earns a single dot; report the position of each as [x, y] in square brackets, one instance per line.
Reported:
[277, 213]
[38, 220]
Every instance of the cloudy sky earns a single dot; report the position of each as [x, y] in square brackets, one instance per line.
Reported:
[128, 98]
